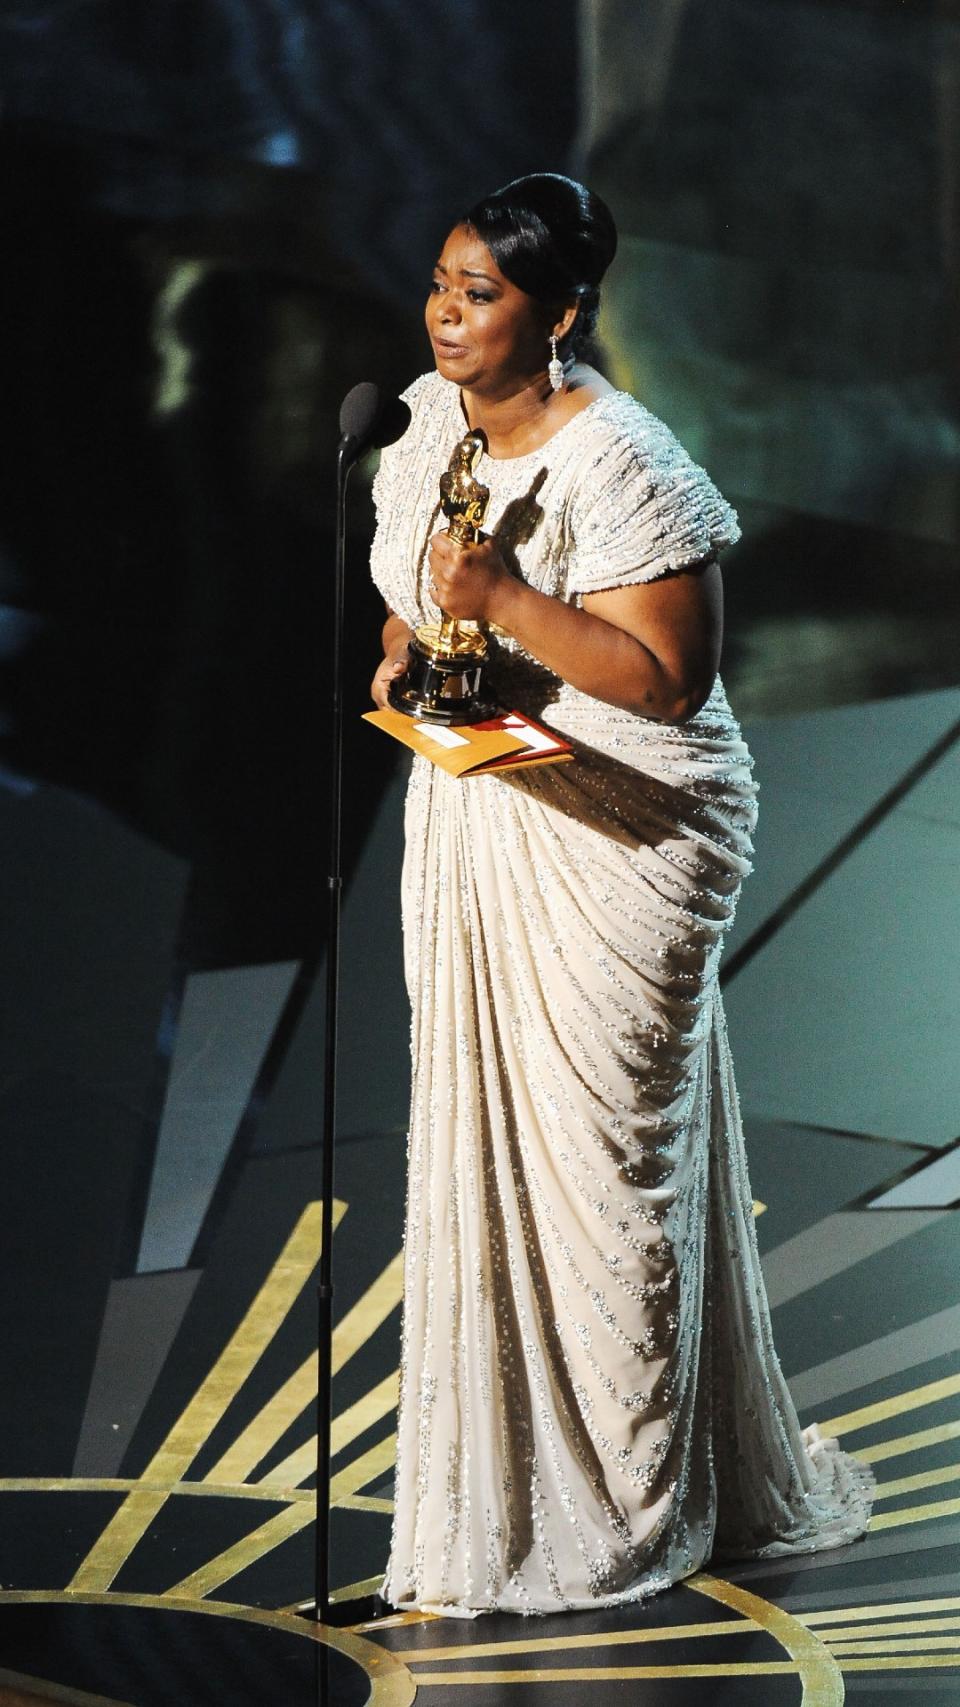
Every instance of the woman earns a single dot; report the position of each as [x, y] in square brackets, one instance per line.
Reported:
[590, 1399]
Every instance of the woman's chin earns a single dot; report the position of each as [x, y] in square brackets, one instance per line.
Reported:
[455, 367]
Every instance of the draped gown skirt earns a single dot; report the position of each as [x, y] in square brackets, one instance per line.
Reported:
[591, 1404]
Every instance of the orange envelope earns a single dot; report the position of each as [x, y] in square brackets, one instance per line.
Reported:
[470, 749]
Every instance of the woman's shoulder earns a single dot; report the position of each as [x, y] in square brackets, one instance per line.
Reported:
[618, 424]
[428, 391]
[628, 451]
[639, 501]
[434, 405]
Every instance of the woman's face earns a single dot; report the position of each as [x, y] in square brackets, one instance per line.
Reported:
[487, 334]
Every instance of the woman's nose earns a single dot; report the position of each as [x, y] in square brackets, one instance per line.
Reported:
[449, 310]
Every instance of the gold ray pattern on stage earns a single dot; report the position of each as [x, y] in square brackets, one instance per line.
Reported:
[300, 1391]
[820, 1645]
[189, 1434]
[209, 1404]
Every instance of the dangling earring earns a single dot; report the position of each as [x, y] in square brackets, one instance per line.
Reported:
[555, 365]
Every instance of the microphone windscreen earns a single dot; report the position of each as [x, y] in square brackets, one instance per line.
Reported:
[370, 418]
[359, 411]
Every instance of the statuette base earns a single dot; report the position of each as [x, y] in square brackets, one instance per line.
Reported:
[442, 685]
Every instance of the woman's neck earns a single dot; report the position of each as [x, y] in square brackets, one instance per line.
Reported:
[511, 421]
[524, 418]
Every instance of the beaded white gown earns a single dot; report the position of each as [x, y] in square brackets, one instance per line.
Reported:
[590, 1399]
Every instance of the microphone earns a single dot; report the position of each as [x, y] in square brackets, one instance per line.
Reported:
[370, 419]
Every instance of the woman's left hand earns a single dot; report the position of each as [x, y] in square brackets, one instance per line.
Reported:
[464, 579]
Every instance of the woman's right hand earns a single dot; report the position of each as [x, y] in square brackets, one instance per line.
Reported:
[394, 665]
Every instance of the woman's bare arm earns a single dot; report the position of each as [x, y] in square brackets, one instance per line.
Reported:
[653, 648]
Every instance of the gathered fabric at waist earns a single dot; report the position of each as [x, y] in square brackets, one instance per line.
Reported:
[699, 771]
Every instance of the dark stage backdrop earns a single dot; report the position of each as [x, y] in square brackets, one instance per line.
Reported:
[217, 218]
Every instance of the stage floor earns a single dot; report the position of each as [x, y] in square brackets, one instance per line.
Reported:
[156, 1509]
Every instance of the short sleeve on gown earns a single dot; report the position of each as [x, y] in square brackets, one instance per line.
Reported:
[642, 509]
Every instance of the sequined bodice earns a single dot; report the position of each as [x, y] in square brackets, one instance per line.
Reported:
[611, 499]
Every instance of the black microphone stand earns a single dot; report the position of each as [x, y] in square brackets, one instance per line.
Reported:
[346, 455]
[367, 419]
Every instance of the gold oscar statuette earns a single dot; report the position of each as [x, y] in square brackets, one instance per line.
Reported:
[445, 659]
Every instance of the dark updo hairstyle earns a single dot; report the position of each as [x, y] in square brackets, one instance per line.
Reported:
[552, 238]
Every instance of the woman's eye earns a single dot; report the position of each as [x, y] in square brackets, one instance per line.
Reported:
[438, 285]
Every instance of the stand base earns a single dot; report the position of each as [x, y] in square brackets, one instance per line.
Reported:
[366, 1609]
